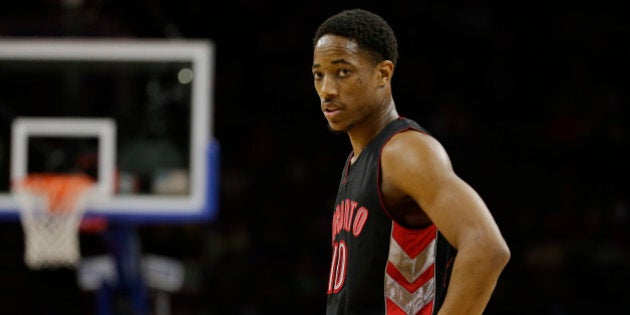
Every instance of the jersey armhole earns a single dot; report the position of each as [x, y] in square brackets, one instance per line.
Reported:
[379, 170]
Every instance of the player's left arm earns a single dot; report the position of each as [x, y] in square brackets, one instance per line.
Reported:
[418, 166]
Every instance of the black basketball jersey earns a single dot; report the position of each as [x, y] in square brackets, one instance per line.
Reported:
[379, 266]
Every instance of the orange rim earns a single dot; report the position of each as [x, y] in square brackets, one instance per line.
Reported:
[60, 190]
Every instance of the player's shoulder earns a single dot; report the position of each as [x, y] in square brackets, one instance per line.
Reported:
[413, 143]
[413, 138]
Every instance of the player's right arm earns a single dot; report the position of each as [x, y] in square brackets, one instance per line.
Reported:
[416, 165]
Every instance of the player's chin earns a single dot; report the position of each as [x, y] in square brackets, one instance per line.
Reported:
[336, 127]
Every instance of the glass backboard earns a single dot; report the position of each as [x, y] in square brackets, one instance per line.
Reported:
[156, 98]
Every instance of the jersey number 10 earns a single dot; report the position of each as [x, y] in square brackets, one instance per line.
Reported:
[338, 265]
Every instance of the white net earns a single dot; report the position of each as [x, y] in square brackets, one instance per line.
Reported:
[51, 209]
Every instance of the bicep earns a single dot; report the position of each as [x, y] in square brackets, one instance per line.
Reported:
[419, 167]
[459, 212]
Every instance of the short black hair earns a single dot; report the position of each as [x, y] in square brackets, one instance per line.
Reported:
[368, 29]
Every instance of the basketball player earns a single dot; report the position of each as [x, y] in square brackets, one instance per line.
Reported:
[408, 235]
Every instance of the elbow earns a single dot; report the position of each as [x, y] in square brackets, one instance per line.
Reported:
[500, 254]
[493, 251]
[486, 249]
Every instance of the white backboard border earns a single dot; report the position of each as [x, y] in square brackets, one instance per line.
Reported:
[102, 129]
[199, 204]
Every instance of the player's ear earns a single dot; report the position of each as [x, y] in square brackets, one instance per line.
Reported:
[385, 71]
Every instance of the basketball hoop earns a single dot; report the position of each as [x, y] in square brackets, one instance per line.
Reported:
[51, 209]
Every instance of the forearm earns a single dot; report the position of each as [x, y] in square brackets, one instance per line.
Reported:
[474, 277]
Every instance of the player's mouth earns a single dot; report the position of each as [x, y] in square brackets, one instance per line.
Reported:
[330, 109]
[331, 113]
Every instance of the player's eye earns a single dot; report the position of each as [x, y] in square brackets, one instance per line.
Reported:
[344, 72]
[317, 75]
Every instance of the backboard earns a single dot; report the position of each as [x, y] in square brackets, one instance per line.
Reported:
[135, 114]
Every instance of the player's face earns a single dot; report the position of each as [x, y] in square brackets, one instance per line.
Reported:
[346, 81]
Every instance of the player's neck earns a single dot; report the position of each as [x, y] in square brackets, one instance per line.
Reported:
[361, 135]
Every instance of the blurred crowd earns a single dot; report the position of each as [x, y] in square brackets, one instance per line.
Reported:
[530, 101]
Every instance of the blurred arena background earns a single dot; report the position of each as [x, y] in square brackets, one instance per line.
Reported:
[530, 99]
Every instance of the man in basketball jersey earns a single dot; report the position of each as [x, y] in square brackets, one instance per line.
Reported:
[408, 235]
